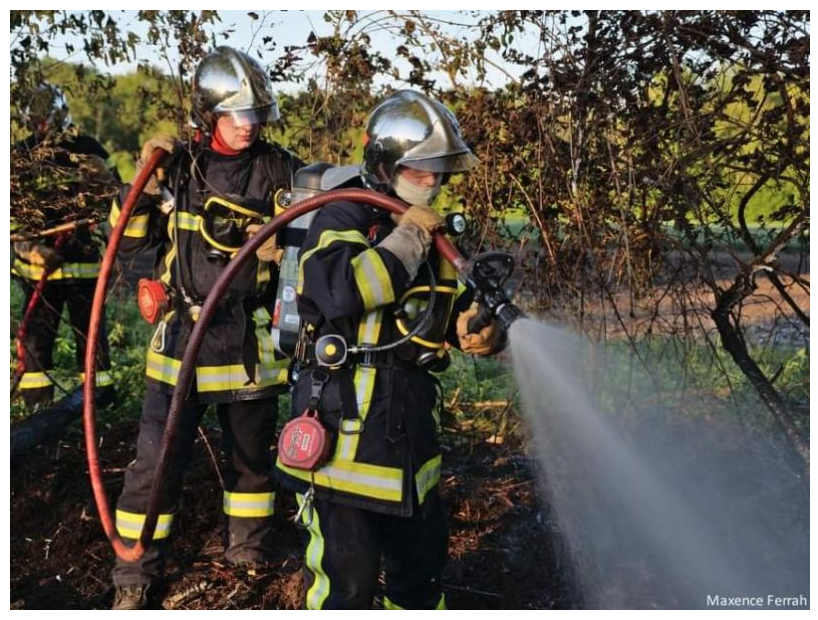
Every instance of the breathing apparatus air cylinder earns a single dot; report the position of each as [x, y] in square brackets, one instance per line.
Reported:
[286, 322]
[411, 309]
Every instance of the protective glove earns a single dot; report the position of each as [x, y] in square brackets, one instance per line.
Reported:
[411, 239]
[161, 141]
[39, 255]
[486, 341]
[422, 216]
[269, 250]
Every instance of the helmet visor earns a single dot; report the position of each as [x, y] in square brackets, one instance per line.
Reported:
[255, 116]
[458, 162]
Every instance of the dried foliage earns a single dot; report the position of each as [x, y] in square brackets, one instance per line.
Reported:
[50, 185]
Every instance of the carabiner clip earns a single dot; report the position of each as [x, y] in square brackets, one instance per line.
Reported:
[306, 505]
[158, 339]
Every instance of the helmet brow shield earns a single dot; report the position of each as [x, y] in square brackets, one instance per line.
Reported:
[256, 116]
[444, 164]
[225, 219]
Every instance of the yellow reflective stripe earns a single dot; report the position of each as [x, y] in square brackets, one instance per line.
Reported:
[234, 377]
[161, 367]
[403, 329]
[388, 604]
[216, 378]
[78, 270]
[372, 278]
[327, 238]
[262, 273]
[392, 606]
[428, 476]
[426, 289]
[169, 258]
[368, 331]
[230, 206]
[67, 270]
[113, 216]
[319, 590]
[266, 348]
[374, 481]
[102, 378]
[34, 380]
[249, 504]
[187, 221]
[129, 525]
[137, 226]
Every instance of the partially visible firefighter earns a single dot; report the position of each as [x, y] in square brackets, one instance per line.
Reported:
[209, 196]
[68, 260]
[378, 306]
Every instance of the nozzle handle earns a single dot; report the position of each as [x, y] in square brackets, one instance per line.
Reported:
[480, 320]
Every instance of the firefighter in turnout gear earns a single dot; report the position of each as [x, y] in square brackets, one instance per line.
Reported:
[205, 202]
[71, 260]
[367, 281]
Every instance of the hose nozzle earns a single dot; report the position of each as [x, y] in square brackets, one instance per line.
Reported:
[487, 273]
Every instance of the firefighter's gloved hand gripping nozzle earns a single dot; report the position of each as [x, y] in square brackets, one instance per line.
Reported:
[474, 272]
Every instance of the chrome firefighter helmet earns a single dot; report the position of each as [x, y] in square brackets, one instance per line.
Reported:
[413, 130]
[48, 109]
[229, 82]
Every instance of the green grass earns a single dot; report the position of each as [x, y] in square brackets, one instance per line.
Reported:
[127, 336]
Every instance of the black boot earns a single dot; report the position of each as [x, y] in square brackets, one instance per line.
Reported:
[134, 596]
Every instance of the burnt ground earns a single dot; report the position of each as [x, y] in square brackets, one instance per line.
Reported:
[501, 541]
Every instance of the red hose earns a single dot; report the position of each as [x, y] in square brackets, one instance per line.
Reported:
[188, 366]
[97, 310]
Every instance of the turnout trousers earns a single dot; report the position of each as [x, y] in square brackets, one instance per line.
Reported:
[36, 386]
[345, 547]
[248, 429]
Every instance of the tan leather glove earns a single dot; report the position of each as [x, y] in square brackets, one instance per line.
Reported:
[484, 342]
[160, 141]
[39, 255]
[269, 250]
[421, 216]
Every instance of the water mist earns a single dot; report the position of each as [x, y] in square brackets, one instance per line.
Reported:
[655, 509]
